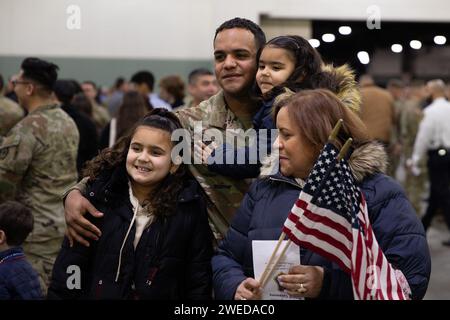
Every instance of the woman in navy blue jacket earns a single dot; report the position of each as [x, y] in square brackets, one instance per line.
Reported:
[304, 122]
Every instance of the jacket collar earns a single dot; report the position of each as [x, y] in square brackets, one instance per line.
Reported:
[44, 107]
[10, 252]
[289, 180]
[219, 111]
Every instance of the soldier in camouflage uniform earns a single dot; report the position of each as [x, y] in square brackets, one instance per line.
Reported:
[237, 45]
[10, 112]
[410, 118]
[38, 162]
[397, 89]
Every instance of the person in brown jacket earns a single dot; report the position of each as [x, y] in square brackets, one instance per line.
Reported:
[378, 113]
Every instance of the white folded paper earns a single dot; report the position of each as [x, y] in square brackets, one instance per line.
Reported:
[262, 250]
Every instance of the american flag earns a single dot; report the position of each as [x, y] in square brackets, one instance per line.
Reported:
[330, 217]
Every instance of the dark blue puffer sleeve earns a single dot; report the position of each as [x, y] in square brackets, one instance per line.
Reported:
[4, 293]
[245, 162]
[399, 232]
[227, 263]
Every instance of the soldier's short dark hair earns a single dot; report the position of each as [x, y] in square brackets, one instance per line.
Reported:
[194, 74]
[260, 37]
[43, 72]
[144, 77]
[1, 83]
[16, 221]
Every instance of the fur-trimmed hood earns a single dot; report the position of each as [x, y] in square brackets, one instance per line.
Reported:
[345, 85]
[365, 161]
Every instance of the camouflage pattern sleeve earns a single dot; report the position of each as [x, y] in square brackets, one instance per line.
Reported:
[16, 153]
[80, 186]
[10, 114]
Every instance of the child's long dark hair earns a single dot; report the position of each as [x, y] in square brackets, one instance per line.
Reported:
[164, 199]
[308, 73]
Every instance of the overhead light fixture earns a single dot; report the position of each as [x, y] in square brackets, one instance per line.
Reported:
[415, 44]
[345, 30]
[440, 40]
[363, 57]
[314, 43]
[397, 48]
[328, 37]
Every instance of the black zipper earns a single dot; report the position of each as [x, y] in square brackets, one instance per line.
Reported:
[286, 181]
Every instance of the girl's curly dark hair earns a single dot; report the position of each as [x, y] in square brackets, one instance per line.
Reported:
[164, 199]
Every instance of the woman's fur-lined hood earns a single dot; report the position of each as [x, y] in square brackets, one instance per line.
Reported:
[366, 160]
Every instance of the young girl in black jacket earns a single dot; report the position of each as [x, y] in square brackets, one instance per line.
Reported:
[155, 242]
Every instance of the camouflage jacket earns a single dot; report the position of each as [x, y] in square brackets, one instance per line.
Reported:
[101, 117]
[37, 163]
[224, 194]
[10, 114]
[410, 118]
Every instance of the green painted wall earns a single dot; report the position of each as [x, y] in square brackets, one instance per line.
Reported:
[104, 71]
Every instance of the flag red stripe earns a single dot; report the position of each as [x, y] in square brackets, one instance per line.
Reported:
[324, 253]
[357, 266]
[389, 283]
[325, 237]
[317, 217]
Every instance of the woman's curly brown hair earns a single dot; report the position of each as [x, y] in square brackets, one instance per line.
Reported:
[164, 199]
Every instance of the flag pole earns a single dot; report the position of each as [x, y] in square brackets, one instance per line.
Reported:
[344, 149]
[268, 268]
[335, 131]
[264, 281]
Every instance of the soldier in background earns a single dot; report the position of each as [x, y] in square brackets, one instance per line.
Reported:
[409, 121]
[397, 90]
[378, 114]
[38, 162]
[10, 111]
[202, 85]
[99, 113]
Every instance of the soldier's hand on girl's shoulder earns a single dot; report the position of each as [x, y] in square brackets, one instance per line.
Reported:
[79, 228]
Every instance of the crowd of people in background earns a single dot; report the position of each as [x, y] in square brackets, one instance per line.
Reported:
[65, 139]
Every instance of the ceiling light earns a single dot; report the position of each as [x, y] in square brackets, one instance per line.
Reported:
[345, 30]
[397, 48]
[314, 43]
[363, 57]
[440, 40]
[415, 44]
[328, 37]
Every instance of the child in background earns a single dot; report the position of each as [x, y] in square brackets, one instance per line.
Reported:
[285, 62]
[18, 280]
[156, 242]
